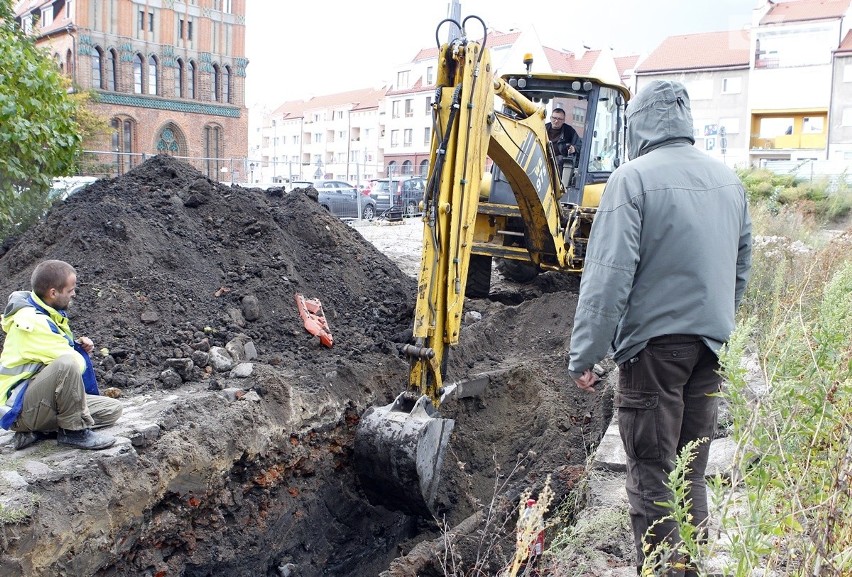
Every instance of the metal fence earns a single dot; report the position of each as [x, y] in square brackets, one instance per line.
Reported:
[102, 163]
[837, 174]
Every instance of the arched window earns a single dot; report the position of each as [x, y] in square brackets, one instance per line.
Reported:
[213, 144]
[69, 64]
[216, 88]
[179, 79]
[123, 137]
[226, 85]
[190, 81]
[392, 168]
[112, 70]
[153, 74]
[406, 167]
[137, 74]
[57, 60]
[171, 140]
[97, 77]
[424, 168]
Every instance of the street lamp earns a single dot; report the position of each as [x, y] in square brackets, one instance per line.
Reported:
[251, 172]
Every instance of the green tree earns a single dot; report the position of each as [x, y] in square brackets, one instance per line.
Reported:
[39, 136]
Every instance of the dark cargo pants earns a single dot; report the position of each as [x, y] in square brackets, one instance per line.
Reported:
[664, 401]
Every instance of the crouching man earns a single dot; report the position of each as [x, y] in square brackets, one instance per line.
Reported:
[47, 382]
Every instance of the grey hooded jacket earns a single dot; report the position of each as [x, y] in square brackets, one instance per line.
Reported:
[670, 246]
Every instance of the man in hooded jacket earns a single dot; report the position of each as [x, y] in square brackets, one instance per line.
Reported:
[667, 264]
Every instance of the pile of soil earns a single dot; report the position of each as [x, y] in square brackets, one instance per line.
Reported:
[171, 264]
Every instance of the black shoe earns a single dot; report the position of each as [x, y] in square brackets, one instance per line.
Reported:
[84, 439]
[24, 439]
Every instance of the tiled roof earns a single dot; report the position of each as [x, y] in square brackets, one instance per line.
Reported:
[728, 49]
[846, 45]
[362, 99]
[495, 39]
[567, 62]
[804, 10]
[625, 63]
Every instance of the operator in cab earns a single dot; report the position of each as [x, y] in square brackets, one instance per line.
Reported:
[566, 142]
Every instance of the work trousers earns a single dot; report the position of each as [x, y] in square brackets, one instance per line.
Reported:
[56, 398]
[665, 400]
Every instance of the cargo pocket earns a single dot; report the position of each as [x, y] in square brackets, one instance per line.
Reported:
[637, 423]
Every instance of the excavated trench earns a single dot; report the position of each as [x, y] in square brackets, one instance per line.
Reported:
[219, 473]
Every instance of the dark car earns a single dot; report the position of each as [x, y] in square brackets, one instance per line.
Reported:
[403, 193]
[340, 198]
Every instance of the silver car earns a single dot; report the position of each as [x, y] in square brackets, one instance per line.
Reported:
[340, 198]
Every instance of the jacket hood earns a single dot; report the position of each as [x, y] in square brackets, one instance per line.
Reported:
[659, 114]
[17, 301]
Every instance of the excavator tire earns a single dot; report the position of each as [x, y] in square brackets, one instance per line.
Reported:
[399, 451]
[517, 271]
[478, 277]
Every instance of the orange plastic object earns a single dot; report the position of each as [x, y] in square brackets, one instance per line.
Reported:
[314, 319]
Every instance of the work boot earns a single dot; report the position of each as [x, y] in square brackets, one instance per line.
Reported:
[84, 439]
[24, 439]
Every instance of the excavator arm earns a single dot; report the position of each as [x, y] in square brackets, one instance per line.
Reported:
[399, 448]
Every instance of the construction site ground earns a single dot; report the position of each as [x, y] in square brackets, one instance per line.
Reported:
[240, 463]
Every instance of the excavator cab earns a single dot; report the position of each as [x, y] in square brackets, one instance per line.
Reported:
[532, 210]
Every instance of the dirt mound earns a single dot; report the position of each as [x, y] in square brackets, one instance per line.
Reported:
[171, 264]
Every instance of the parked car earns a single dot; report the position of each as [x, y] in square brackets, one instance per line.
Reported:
[340, 198]
[403, 193]
[65, 186]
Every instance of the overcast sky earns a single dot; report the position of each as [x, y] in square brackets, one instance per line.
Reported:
[302, 48]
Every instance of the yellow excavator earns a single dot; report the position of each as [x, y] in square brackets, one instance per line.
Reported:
[531, 209]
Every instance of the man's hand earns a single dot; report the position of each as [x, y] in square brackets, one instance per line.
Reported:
[586, 381]
[86, 343]
[571, 149]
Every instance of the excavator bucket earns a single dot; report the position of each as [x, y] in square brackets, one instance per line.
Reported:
[399, 450]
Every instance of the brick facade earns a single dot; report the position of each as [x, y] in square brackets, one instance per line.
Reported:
[168, 76]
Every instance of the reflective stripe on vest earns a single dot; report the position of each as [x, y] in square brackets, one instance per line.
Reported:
[20, 369]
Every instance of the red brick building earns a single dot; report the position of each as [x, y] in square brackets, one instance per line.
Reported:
[169, 76]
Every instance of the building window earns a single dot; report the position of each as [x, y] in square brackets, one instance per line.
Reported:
[407, 136]
[578, 114]
[190, 81]
[123, 135]
[427, 135]
[407, 167]
[169, 140]
[189, 29]
[97, 76]
[430, 75]
[153, 75]
[409, 107]
[402, 79]
[395, 109]
[213, 151]
[394, 138]
[179, 79]
[146, 17]
[339, 115]
[69, 64]
[813, 125]
[392, 168]
[317, 137]
[112, 70]
[46, 16]
[428, 105]
[216, 88]
[137, 74]
[226, 85]
[424, 168]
